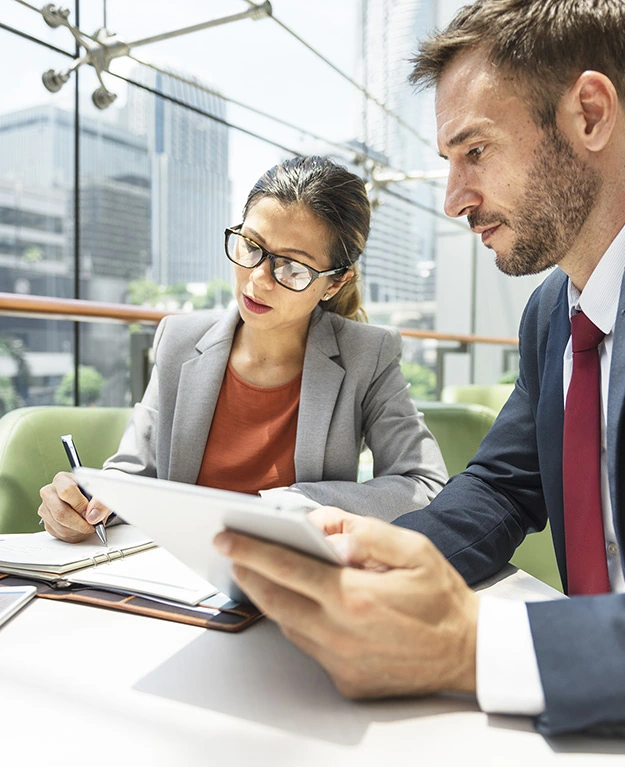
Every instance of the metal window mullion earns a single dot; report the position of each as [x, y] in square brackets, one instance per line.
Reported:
[77, 218]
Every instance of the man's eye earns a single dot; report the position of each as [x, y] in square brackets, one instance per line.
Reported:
[476, 152]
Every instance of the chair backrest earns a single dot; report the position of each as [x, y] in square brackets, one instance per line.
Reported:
[31, 453]
[493, 396]
[536, 556]
[459, 428]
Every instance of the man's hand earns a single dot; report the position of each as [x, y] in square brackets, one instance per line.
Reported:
[403, 623]
[66, 512]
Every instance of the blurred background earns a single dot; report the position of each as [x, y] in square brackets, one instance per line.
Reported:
[116, 185]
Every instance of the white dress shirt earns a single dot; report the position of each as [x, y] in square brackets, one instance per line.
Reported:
[507, 671]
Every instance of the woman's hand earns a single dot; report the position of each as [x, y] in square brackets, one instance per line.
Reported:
[65, 511]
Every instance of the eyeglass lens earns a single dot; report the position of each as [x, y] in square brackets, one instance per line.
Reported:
[289, 273]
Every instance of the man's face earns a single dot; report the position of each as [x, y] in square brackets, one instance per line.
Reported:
[525, 190]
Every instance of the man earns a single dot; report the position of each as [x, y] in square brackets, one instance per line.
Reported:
[530, 99]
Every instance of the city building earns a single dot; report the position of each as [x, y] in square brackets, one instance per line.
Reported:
[38, 238]
[189, 173]
[400, 260]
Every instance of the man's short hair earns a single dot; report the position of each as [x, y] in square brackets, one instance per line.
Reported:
[545, 44]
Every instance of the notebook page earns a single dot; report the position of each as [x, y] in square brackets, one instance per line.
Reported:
[154, 572]
[41, 551]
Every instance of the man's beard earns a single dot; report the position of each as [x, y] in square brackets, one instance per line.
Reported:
[561, 190]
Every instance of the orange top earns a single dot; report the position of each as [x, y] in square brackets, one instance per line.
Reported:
[251, 444]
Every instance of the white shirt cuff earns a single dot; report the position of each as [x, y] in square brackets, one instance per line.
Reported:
[508, 681]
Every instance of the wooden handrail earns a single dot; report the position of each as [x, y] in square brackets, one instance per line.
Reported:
[463, 339]
[17, 305]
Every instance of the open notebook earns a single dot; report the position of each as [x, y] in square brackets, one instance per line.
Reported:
[131, 563]
[184, 520]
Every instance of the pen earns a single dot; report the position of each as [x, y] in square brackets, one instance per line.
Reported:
[74, 462]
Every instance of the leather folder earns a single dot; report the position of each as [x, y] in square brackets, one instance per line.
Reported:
[232, 616]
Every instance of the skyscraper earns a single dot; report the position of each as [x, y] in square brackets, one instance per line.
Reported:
[37, 176]
[399, 262]
[38, 253]
[190, 186]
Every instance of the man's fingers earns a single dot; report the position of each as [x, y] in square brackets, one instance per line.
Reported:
[369, 543]
[375, 542]
[276, 602]
[297, 572]
[332, 520]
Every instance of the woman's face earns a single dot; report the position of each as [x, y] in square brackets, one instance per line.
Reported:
[291, 231]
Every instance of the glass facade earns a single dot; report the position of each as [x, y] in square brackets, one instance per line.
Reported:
[402, 234]
[128, 204]
[123, 205]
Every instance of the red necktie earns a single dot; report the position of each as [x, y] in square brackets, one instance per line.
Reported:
[586, 563]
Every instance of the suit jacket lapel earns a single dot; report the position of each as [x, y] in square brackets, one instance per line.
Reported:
[198, 391]
[321, 382]
[616, 405]
[550, 420]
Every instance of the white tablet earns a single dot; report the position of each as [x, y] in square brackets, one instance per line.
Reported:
[13, 598]
[184, 519]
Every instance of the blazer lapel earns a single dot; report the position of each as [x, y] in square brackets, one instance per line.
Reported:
[321, 382]
[198, 391]
[550, 420]
[616, 405]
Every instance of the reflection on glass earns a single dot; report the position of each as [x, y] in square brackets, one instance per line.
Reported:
[36, 223]
[153, 198]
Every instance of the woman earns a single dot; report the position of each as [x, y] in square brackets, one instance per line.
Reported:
[285, 389]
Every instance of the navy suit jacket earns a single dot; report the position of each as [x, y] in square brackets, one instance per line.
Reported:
[511, 487]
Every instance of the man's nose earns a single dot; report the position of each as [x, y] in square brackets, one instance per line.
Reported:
[462, 195]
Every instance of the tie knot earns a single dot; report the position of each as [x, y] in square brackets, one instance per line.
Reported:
[586, 335]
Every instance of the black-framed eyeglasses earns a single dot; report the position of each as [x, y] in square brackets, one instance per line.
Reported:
[287, 272]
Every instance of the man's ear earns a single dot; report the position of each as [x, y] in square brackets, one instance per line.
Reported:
[591, 105]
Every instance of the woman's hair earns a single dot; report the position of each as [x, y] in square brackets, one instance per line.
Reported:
[336, 197]
[546, 44]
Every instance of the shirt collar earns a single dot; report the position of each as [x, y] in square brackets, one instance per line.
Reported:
[599, 299]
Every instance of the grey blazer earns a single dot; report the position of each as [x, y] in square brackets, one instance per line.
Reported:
[353, 394]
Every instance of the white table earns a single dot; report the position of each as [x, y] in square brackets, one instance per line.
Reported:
[87, 686]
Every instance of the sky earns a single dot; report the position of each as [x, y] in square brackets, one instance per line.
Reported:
[254, 62]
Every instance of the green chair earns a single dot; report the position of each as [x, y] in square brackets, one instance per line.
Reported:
[31, 454]
[537, 557]
[459, 428]
[494, 396]
[459, 433]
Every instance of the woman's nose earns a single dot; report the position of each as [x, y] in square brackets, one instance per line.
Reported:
[262, 273]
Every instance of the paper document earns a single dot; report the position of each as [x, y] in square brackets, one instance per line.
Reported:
[23, 553]
[130, 563]
[155, 573]
[184, 520]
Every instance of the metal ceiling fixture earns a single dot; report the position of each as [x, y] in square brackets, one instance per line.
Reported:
[102, 47]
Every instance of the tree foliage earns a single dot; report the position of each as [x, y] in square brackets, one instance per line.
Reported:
[90, 383]
[218, 295]
[509, 377]
[422, 380]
